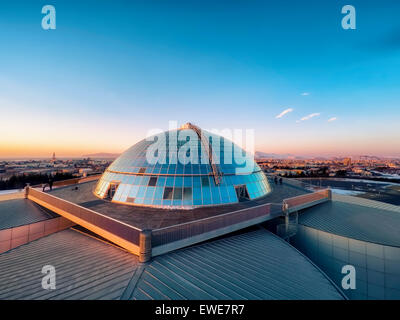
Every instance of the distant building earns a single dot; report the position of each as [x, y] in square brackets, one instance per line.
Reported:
[85, 171]
[347, 162]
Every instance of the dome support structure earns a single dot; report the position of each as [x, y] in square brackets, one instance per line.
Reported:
[216, 173]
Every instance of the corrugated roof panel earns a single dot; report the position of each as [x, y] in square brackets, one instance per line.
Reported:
[86, 268]
[18, 212]
[373, 224]
[254, 265]
[365, 202]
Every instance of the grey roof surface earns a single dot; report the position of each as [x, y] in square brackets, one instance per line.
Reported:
[86, 268]
[19, 212]
[153, 218]
[253, 265]
[357, 221]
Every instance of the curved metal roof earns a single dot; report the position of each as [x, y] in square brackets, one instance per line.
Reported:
[354, 218]
[86, 268]
[18, 212]
[254, 265]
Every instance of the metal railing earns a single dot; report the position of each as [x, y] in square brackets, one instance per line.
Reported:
[182, 231]
[296, 203]
[68, 182]
[93, 221]
[14, 237]
[147, 243]
[295, 182]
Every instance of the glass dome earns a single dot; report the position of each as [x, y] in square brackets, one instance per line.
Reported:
[183, 169]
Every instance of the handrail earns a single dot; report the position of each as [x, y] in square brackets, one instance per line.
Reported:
[225, 223]
[67, 182]
[13, 237]
[143, 242]
[163, 236]
[307, 195]
[210, 218]
[298, 202]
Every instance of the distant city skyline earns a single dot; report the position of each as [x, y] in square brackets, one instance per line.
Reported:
[258, 155]
[112, 71]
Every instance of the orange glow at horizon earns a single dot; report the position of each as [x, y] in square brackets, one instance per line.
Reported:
[75, 138]
[65, 149]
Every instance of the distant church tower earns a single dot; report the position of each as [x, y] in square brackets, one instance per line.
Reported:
[53, 159]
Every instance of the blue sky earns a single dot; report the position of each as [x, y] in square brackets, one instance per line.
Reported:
[112, 70]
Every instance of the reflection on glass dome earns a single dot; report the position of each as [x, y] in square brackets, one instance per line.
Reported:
[185, 169]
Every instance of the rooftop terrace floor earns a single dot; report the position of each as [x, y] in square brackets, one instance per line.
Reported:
[153, 218]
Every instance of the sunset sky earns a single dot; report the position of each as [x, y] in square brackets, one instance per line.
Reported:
[113, 70]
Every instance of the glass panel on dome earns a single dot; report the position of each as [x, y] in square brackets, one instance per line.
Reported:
[188, 169]
[204, 169]
[141, 192]
[168, 193]
[179, 168]
[133, 192]
[232, 194]
[153, 181]
[157, 202]
[164, 169]
[172, 169]
[242, 193]
[167, 202]
[139, 200]
[178, 193]
[206, 195]
[215, 195]
[147, 201]
[149, 193]
[196, 181]
[170, 181]
[197, 202]
[158, 193]
[205, 182]
[178, 182]
[187, 182]
[197, 193]
[187, 193]
[130, 200]
[177, 203]
[196, 169]
[161, 181]
[137, 180]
